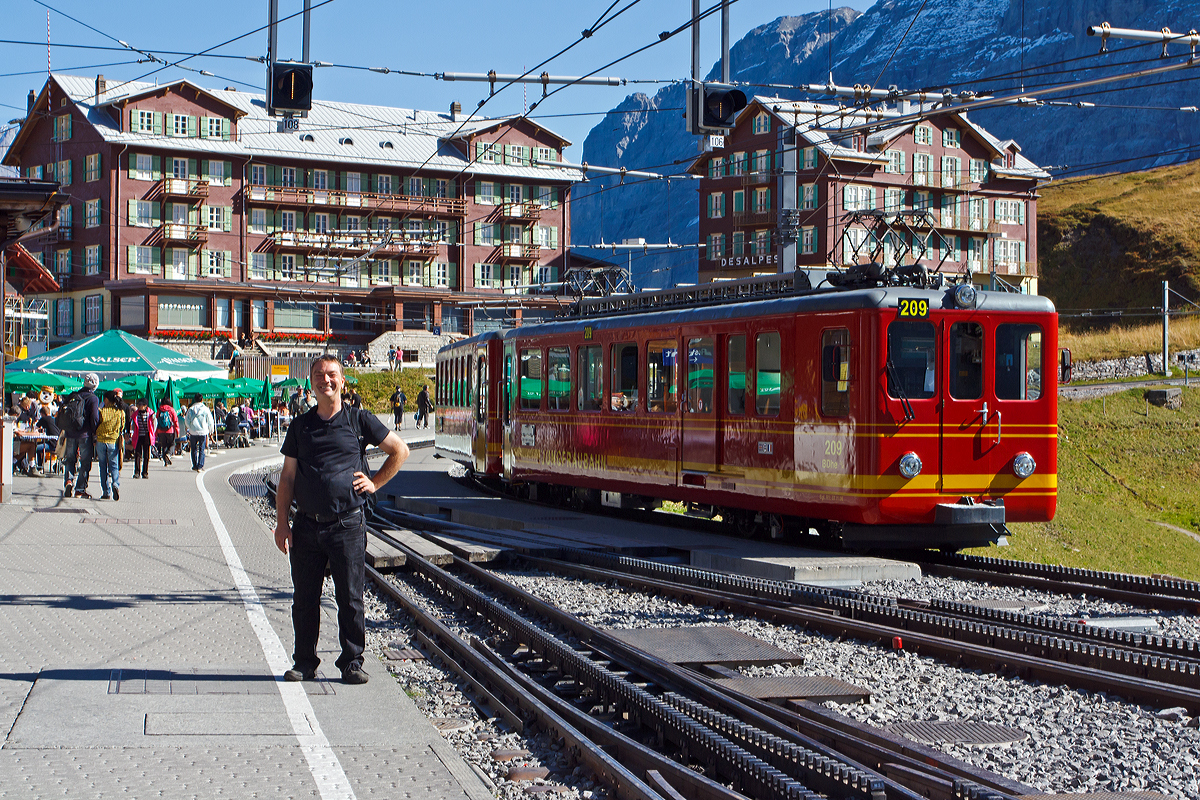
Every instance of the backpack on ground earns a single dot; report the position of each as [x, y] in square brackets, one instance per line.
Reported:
[164, 420]
[70, 414]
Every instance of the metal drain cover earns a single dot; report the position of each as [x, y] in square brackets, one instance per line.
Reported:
[818, 688]
[248, 484]
[958, 732]
[202, 681]
[709, 645]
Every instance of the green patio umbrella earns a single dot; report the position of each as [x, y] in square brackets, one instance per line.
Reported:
[129, 391]
[351, 380]
[212, 388]
[288, 383]
[115, 354]
[307, 385]
[171, 395]
[264, 397]
[32, 381]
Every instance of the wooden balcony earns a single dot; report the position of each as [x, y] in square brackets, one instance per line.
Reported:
[523, 211]
[180, 187]
[182, 232]
[1023, 269]
[352, 243]
[322, 198]
[754, 217]
[760, 177]
[518, 252]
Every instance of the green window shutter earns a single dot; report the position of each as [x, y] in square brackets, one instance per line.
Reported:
[204, 173]
[193, 216]
[193, 265]
[874, 204]
[156, 167]
[203, 209]
[229, 173]
[554, 238]
[478, 270]
[203, 132]
[739, 202]
[192, 128]
[227, 218]
[227, 263]
[478, 190]
[132, 257]
[155, 212]
[156, 256]
[478, 233]
[68, 169]
[68, 131]
[158, 123]
[131, 218]
[710, 206]
[225, 129]
[768, 195]
[132, 165]
[192, 167]
[272, 222]
[1020, 212]
[478, 150]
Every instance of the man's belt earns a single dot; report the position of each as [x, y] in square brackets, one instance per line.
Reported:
[321, 519]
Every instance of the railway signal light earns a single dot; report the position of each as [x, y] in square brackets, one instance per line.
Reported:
[291, 87]
[713, 108]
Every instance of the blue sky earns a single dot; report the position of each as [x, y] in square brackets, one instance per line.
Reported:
[422, 37]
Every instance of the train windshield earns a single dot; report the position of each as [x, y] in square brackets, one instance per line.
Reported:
[1018, 362]
[912, 359]
[966, 361]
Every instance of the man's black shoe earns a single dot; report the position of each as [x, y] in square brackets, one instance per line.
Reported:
[355, 675]
[295, 676]
[116, 493]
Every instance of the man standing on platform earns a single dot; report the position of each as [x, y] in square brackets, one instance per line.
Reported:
[325, 471]
[200, 425]
[81, 438]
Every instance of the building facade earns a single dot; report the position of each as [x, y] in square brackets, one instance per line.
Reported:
[195, 217]
[942, 193]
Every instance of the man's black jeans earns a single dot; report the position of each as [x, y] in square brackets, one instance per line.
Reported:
[342, 544]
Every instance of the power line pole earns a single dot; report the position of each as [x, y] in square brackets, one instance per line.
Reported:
[1166, 326]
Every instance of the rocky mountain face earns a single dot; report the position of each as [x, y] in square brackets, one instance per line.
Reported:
[982, 45]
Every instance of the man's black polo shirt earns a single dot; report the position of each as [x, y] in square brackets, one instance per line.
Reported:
[328, 455]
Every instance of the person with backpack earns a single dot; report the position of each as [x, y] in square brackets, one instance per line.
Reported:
[144, 426]
[325, 472]
[399, 401]
[200, 425]
[168, 430]
[77, 418]
[108, 450]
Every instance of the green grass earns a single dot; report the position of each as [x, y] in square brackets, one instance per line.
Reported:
[376, 388]
[1121, 472]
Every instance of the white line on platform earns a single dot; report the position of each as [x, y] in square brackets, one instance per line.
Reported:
[323, 763]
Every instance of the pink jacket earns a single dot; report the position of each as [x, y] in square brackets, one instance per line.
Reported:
[135, 425]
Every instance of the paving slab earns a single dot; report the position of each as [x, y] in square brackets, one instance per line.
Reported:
[136, 657]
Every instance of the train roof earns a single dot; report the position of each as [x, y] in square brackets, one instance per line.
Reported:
[809, 302]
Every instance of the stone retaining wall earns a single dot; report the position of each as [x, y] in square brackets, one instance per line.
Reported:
[424, 342]
[205, 350]
[1131, 367]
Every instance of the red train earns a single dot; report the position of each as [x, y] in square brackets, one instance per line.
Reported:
[891, 417]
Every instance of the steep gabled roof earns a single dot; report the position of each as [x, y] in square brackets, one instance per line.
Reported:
[387, 138]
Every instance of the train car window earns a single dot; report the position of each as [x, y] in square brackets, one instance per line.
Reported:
[531, 379]
[736, 366]
[911, 366]
[624, 384]
[662, 376]
[1018, 362]
[459, 381]
[835, 373]
[966, 360]
[701, 357]
[437, 387]
[766, 374]
[591, 379]
[558, 379]
[481, 393]
[469, 382]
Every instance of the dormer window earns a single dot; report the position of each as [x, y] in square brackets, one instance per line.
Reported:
[923, 135]
[386, 145]
[762, 123]
[952, 137]
[346, 140]
[307, 137]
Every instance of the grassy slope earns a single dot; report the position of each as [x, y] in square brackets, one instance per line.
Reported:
[1109, 241]
[1109, 521]
[376, 387]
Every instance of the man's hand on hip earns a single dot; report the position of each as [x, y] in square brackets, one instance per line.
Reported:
[363, 484]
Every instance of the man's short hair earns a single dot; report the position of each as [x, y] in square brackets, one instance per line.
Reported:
[327, 357]
[198, 398]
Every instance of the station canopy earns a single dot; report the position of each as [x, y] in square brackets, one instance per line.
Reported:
[115, 354]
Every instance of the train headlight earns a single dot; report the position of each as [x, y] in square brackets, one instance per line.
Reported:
[910, 465]
[1024, 465]
[964, 296]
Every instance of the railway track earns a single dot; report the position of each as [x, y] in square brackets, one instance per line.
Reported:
[651, 712]
[596, 688]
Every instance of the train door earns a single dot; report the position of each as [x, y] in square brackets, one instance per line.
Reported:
[479, 426]
[968, 410]
[508, 397]
[701, 417]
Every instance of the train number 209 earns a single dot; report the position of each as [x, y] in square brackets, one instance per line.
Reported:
[914, 307]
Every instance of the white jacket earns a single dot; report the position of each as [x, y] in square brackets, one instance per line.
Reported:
[199, 420]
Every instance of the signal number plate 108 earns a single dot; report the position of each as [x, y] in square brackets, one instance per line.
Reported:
[914, 308]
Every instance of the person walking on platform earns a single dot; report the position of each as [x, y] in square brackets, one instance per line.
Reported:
[80, 414]
[399, 401]
[108, 446]
[168, 430]
[200, 425]
[325, 471]
[143, 438]
[424, 406]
